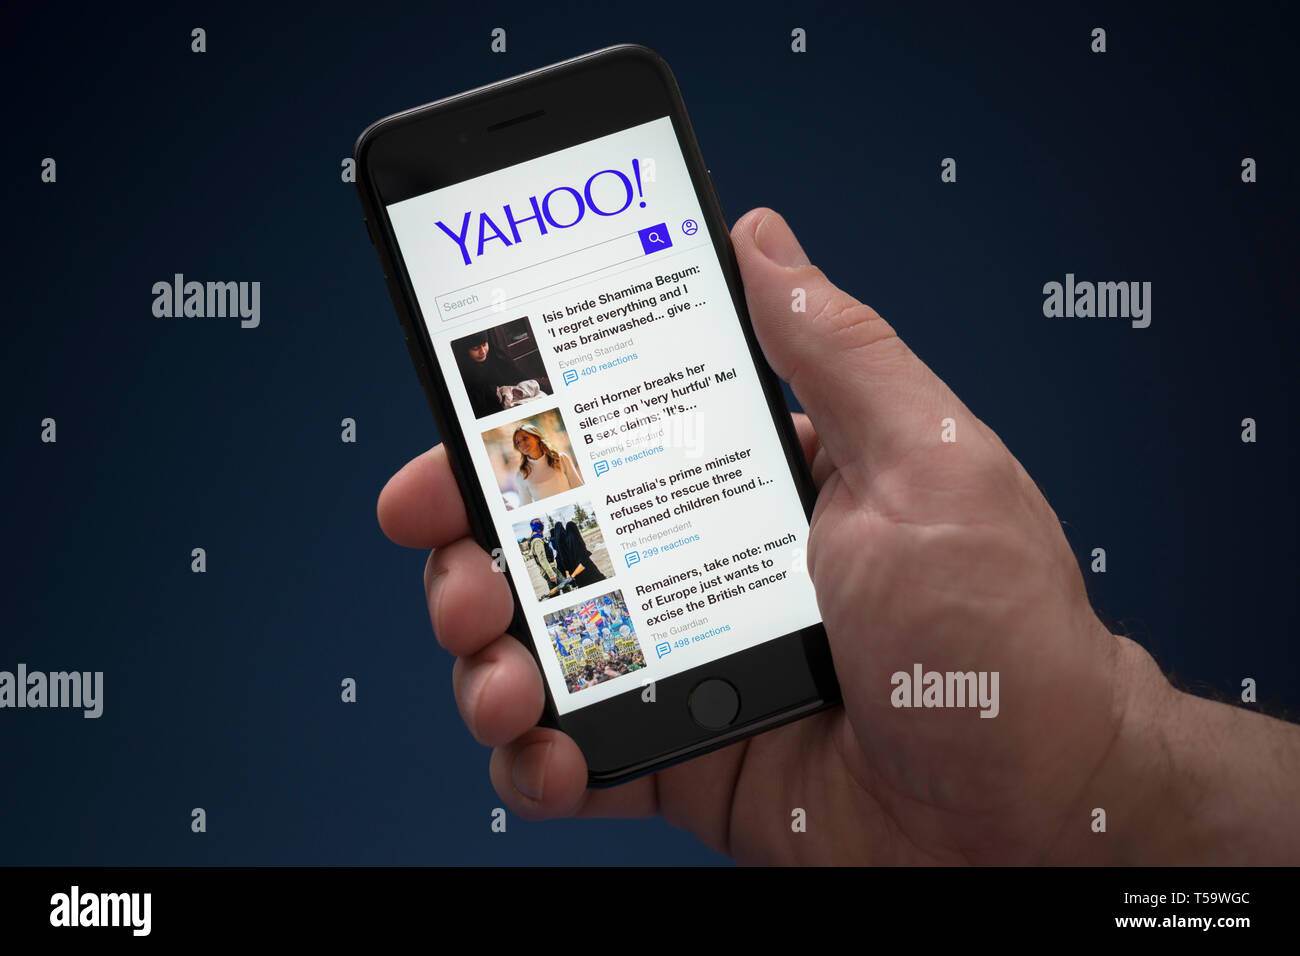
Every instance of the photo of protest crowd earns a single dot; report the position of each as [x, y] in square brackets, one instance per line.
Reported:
[564, 550]
[595, 641]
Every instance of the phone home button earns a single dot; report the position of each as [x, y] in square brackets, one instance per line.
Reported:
[713, 704]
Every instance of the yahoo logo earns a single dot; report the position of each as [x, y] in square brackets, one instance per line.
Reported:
[561, 208]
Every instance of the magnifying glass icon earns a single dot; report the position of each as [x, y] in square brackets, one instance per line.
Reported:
[655, 237]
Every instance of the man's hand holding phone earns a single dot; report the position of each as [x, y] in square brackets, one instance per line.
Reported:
[922, 551]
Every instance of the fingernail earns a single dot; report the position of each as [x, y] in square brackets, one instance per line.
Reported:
[530, 770]
[474, 694]
[431, 598]
[775, 240]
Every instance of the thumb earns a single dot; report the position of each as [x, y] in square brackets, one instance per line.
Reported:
[869, 396]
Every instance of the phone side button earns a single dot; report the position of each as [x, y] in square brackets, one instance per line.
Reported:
[713, 704]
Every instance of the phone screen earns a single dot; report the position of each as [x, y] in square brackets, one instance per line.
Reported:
[617, 426]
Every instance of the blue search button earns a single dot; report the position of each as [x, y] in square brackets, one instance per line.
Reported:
[654, 238]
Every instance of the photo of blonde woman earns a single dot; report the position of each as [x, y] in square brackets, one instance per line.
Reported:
[532, 459]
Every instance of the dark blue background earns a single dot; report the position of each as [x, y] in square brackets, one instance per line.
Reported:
[222, 689]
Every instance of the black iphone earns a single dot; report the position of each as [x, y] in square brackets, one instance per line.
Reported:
[565, 279]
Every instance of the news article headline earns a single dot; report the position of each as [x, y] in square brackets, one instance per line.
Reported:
[662, 296]
[721, 578]
[617, 412]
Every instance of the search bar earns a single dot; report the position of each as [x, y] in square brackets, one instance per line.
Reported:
[553, 274]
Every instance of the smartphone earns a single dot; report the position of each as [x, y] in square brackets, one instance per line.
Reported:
[564, 277]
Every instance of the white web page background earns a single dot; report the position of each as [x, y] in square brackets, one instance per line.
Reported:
[556, 273]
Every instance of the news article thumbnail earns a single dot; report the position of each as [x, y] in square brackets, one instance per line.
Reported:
[594, 641]
[501, 367]
[532, 459]
[564, 549]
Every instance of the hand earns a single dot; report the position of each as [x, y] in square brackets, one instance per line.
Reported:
[922, 551]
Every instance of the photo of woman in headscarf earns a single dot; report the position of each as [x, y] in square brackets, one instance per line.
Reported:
[563, 548]
[493, 380]
[572, 556]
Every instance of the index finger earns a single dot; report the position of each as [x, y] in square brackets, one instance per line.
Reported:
[421, 506]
